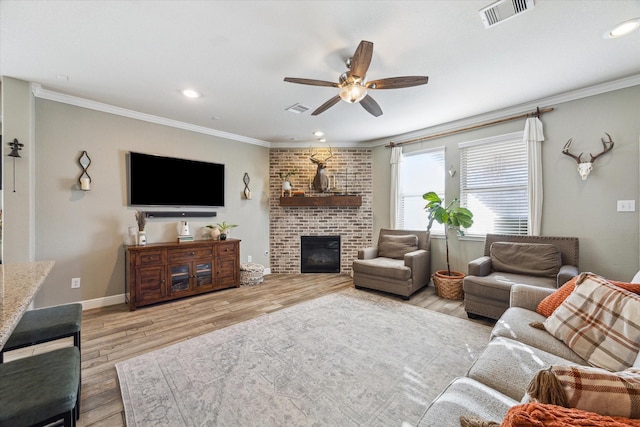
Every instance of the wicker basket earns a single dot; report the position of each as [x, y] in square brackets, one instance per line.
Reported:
[449, 287]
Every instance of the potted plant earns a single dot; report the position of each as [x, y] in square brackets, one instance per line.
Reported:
[141, 219]
[448, 283]
[224, 229]
[286, 184]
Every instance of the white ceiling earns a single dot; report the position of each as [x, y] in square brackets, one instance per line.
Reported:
[138, 55]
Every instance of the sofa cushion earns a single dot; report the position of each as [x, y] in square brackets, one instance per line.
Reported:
[592, 389]
[383, 267]
[515, 324]
[507, 366]
[396, 246]
[464, 396]
[533, 259]
[600, 322]
[553, 301]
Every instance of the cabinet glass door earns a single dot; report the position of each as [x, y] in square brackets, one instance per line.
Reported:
[204, 276]
[179, 278]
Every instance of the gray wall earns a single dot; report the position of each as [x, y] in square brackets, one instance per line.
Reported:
[84, 232]
[572, 207]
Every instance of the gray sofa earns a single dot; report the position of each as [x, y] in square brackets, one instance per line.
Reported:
[499, 377]
[400, 264]
[543, 261]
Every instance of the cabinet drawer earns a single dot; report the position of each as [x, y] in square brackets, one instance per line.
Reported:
[182, 255]
[147, 258]
[226, 249]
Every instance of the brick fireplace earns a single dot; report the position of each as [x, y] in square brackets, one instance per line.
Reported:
[348, 169]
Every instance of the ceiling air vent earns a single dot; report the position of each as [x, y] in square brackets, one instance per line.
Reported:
[297, 109]
[502, 10]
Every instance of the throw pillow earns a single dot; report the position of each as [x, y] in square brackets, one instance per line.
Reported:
[592, 389]
[533, 259]
[544, 415]
[600, 322]
[553, 301]
[396, 246]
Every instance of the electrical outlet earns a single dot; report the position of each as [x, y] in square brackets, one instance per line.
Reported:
[626, 205]
[75, 283]
[249, 258]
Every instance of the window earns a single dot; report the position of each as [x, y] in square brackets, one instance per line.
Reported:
[493, 184]
[420, 172]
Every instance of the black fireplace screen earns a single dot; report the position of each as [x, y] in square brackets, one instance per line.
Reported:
[320, 254]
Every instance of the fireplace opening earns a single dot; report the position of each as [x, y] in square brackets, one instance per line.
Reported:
[320, 254]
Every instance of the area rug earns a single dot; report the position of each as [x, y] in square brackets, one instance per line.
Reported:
[346, 359]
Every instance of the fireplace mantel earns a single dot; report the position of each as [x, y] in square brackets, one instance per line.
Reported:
[341, 201]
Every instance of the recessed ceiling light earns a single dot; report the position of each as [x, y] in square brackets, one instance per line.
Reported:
[323, 140]
[190, 93]
[318, 133]
[622, 29]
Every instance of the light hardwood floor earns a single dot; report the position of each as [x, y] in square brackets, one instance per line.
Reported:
[112, 334]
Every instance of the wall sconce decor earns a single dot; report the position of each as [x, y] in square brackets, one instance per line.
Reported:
[246, 180]
[15, 152]
[452, 171]
[85, 179]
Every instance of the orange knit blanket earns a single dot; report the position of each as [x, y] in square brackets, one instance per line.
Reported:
[545, 415]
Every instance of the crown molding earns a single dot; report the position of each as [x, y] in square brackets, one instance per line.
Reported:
[549, 101]
[39, 92]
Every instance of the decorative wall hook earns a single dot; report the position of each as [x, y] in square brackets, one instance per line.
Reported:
[84, 180]
[246, 180]
[15, 153]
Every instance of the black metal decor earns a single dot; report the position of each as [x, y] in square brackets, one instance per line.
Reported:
[15, 152]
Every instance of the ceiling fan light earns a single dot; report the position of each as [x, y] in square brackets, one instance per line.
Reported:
[353, 93]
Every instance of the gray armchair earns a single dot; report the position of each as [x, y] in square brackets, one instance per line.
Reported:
[400, 264]
[543, 261]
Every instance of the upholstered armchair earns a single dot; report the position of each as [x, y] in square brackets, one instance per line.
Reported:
[400, 264]
[543, 261]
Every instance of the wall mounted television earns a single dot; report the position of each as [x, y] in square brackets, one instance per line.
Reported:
[168, 181]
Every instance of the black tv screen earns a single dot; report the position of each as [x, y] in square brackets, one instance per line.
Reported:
[168, 181]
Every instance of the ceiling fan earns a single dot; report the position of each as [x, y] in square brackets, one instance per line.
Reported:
[353, 84]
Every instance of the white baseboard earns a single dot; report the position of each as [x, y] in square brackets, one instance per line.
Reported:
[102, 302]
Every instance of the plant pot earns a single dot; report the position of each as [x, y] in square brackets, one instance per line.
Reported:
[223, 236]
[448, 286]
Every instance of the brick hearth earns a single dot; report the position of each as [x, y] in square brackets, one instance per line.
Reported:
[287, 224]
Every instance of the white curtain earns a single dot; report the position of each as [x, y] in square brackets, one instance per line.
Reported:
[396, 162]
[533, 137]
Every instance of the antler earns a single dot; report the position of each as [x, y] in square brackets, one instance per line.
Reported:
[565, 150]
[608, 146]
[318, 161]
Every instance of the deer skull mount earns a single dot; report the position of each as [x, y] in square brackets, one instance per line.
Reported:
[584, 167]
[321, 180]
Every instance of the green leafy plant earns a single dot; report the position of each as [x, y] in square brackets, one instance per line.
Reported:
[451, 216]
[285, 177]
[224, 227]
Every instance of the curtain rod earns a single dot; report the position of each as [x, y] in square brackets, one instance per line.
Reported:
[536, 113]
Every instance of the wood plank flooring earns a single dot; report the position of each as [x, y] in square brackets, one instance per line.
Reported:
[112, 334]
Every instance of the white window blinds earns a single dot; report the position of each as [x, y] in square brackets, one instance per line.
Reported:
[421, 172]
[493, 184]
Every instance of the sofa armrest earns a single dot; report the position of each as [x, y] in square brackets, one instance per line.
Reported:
[480, 266]
[368, 253]
[418, 261]
[566, 273]
[527, 296]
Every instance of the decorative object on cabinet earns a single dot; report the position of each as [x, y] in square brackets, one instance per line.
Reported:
[141, 219]
[161, 272]
[84, 180]
[584, 167]
[215, 231]
[448, 283]
[15, 153]
[247, 191]
[224, 229]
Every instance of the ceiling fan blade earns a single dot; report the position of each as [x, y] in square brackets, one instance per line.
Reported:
[398, 82]
[324, 107]
[311, 82]
[369, 104]
[361, 59]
